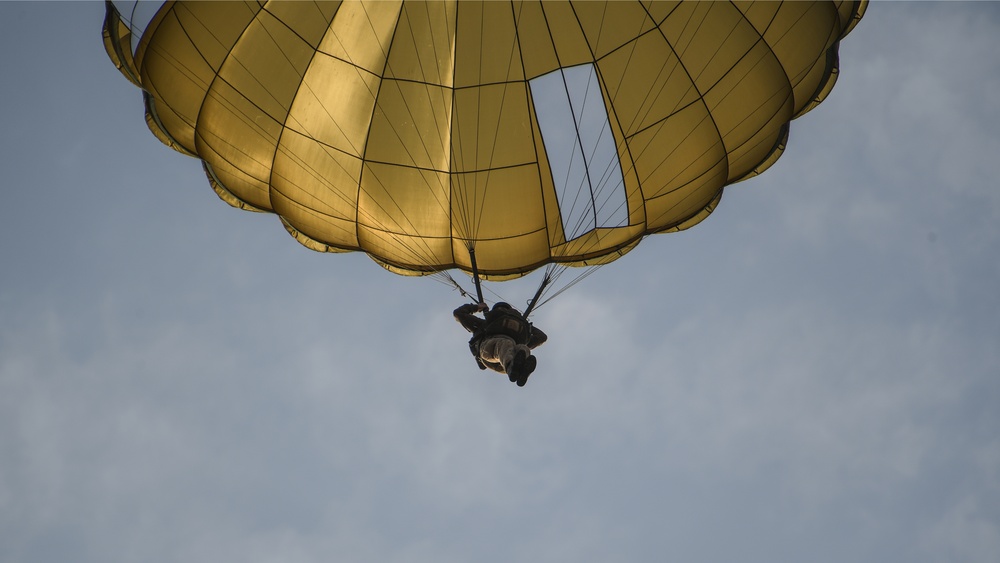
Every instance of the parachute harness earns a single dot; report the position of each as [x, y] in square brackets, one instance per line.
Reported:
[479, 287]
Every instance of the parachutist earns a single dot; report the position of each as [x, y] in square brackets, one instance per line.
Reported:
[502, 340]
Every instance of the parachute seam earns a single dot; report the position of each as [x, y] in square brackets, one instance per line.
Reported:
[780, 62]
[553, 268]
[229, 54]
[624, 142]
[676, 110]
[199, 139]
[830, 72]
[379, 225]
[364, 151]
[321, 180]
[382, 80]
[184, 69]
[611, 114]
[327, 148]
[777, 92]
[409, 247]
[446, 206]
[533, 118]
[699, 99]
[590, 188]
[791, 89]
[496, 130]
[545, 19]
[456, 129]
[288, 114]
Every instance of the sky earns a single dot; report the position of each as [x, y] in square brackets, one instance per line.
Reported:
[811, 374]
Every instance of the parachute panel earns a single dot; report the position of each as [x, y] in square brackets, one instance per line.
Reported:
[491, 128]
[423, 45]
[749, 113]
[696, 218]
[157, 128]
[315, 188]
[486, 47]
[534, 38]
[238, 142]
[775, 153]
[334, 105]
[796, 32]
[515, 201]
[680, 206]
[184, 84]
[608, 26]
[645, 83]
[248, 103]
[810, 29]
[567, 37]
[509, 257]
[224, 193]
[179, 60]
[675, 151]
[409, 126]
[266, 67]
[311, 23]
[308, 242]
[409, 228]
[404, 252]
[421, 210]
[361, 33]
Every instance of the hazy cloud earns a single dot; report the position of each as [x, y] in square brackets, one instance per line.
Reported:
[810, 374]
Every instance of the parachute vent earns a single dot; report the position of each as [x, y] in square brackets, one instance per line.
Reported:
[581, 149]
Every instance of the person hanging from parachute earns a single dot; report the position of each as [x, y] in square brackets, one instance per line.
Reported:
[502, 340]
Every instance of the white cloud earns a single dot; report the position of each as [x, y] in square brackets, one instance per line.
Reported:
[968, 531]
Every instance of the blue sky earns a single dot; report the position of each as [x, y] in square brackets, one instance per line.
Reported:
[812, 374]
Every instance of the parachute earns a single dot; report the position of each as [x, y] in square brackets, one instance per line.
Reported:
[491, 137]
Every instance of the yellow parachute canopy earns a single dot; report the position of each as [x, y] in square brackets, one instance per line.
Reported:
[530, 132]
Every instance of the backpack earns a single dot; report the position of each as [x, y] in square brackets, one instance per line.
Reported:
[506, 322]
